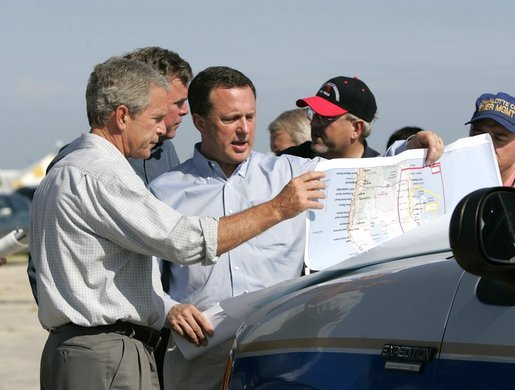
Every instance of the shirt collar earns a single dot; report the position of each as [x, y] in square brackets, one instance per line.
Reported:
[91, 140]
[156, 151]
[211, 168]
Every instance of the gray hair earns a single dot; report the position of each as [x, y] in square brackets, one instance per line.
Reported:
[295, 123]
[120, 81]
[367, 127]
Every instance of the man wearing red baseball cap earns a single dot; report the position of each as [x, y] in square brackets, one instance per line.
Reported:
[340, 114]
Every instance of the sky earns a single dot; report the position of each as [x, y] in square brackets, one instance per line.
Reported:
[425, 62]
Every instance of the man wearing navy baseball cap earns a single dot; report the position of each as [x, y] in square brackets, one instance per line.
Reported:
[495, 115]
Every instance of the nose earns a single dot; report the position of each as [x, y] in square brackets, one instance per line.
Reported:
[161, 128]
[317, 121]
[244, 127]
[184, 109]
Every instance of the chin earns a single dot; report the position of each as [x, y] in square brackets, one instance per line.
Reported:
[169, 135]
[319, 149]
[240, 157]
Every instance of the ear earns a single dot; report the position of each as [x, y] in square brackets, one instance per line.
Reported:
[198, 121]
[122, 117]
[358, 129]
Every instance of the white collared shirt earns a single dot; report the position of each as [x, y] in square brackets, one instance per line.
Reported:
[94, 229]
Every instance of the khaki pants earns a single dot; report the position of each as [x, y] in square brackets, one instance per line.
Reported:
[76, 359]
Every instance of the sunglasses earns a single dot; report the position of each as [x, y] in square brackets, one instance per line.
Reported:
[325, 121]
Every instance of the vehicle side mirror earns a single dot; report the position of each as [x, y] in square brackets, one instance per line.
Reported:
[482, 233]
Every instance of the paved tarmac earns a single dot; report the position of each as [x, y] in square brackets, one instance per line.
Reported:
[21, 336]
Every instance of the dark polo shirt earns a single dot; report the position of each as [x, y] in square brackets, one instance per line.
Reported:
[304, 150]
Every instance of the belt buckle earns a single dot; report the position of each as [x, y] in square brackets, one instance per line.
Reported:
[148, 336]
[125, 328]
[133, 332]
[153, 339]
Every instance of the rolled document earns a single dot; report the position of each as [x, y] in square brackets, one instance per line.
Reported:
[11, 244]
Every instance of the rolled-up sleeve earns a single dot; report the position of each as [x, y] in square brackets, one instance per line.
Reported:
[210, 228]
[186, 235]
[397, 147]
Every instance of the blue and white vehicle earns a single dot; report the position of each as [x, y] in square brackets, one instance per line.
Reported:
[443, 320]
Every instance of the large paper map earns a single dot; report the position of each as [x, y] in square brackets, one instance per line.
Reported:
[382, 202]
[370, 201]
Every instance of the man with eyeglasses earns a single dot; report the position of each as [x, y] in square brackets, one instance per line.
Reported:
[341, 114]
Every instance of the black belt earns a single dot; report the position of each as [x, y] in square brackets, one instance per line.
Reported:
[148, 336]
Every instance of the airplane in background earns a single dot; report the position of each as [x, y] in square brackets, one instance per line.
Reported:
[17, 188]
[24, 181]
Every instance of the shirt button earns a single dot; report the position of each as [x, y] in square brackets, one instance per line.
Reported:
[230, 211]
[236, 268]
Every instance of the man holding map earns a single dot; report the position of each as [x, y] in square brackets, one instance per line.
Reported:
[495, 115]
[223, 177]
